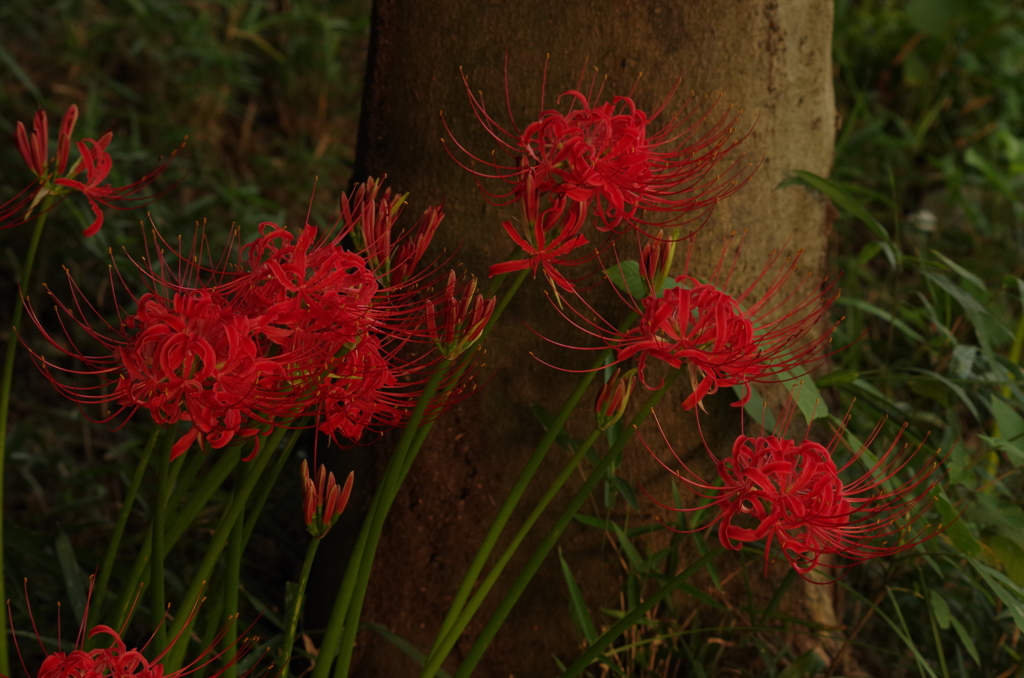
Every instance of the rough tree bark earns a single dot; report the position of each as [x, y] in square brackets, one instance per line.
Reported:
[769, 58]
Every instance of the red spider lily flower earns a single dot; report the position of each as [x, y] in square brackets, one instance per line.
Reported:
[51, 177]
[352, 336]
[371, 221]
[791, 494]
[656, 258]
[34, 151]
[295, 326]
[727, 340]
[97, 166]
[196, 359]
[552, 233]
[308, 290]
[187, 354]
[191, 357]
[120, 661]
[462, 317]
[609, 154]
[323, 501]
[362, 390]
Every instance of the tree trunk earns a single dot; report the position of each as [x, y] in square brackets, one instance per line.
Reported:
[770, 59]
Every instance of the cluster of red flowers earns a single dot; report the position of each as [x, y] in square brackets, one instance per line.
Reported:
[603, 164]
[298, 326]
[54, 177]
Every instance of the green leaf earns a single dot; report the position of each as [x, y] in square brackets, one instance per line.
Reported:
[837, 378]
[626, 276]
[626, 492]
[904, 633]
[881, 313]
[995, 579]
[958, 533]
[976, 312]
[402, 644]
[945, 618]
[546, 420]
[266, 610]
[844, 201]
[955, 388]
[960, 270]
[976, 160]
[632, 555]
[74, 582]
[577, 607]
[1015, 454]
[1011, 424]
[915, 70]
[20, 75]
[692, 590]
[592, 521]
[806, 395]
[1009, 555]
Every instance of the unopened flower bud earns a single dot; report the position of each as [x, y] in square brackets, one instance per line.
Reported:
[323, 501]
[613, 398]
[460, 317]
[655, 261]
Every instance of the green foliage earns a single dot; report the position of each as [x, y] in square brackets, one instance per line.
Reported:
[928, 173]
[267, 94]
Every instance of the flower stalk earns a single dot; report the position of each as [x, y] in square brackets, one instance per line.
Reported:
[100, 590]
[636, 614]
[476, 652]
[5, 397]
[292, 623]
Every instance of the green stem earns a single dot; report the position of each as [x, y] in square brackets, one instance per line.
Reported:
[293, 619]
[214, 609]
[173, 661]
[388, 491]
[267, 483]
[158, 593]
[505, 513]
[455, 612]
[451, 633]
[329, 646]
[100, 591]
[232, 575]
[210, 484]
[505, 607]
[637, 613]
[335, 624]
[5, 402]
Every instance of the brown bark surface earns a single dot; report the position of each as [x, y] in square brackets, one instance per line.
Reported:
[770, 59]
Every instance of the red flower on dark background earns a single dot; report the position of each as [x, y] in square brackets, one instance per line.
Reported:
[616, 156]
[721, 339]
[51, 178]
[790, 493]
[119, 661]
[298, 326]
[551, 234]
